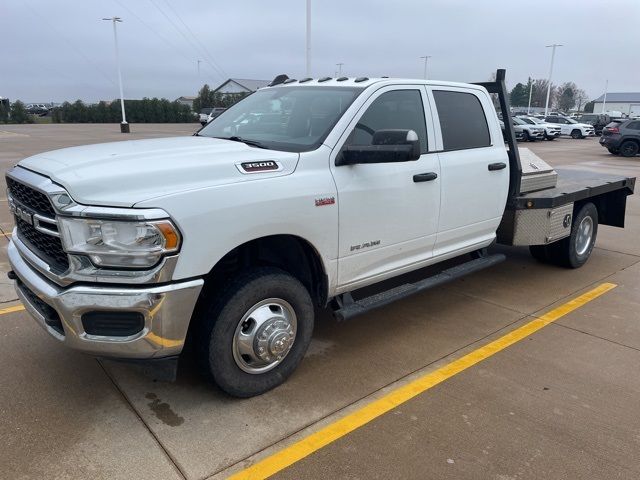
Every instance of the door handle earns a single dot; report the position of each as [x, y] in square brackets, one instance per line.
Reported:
[497, 166]
[425, 177]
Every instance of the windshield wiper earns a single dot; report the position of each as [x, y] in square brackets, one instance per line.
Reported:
[252, 143]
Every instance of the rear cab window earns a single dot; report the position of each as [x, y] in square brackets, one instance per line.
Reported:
[463, 121]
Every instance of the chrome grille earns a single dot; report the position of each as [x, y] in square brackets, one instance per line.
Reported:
[31, 198]
[47, 247]
[29, 203]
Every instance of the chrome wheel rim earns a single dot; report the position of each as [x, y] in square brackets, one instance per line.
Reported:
[584, 235]
[264, 336]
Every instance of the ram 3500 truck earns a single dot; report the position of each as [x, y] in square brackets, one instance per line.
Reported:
[293, 199]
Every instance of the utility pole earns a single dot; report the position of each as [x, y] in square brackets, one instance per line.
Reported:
[553, 54]
[530, 90]
[339, 65]
[426, 58]
[199, 62]
[604, 100]
[308, 38]
[124, 126]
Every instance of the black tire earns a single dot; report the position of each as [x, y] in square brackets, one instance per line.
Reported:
[565, 253]
[539, 252]
[525, 136]
[575, 134]
[629, 148]
[550, 137]
[219, 321]
[613, 151]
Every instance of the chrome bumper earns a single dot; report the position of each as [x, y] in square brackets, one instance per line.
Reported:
[166, 309]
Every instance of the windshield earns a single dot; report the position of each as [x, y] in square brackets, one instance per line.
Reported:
[536, 121]
[293, 119]
[527, 120]
[570, 120]
[519, 121]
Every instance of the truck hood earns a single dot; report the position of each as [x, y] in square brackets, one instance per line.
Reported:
[125, 173]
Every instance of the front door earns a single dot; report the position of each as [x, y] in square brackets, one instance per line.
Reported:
[388, 219]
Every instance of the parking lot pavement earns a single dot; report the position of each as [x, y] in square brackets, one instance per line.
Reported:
[561, 403]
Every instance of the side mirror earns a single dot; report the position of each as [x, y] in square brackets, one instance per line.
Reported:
[387, 146]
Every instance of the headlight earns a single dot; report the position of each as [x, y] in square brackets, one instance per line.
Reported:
[117, 243]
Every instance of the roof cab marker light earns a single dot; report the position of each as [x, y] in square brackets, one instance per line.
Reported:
[324, 79]
[361, 79]
[305, 80]
[342, 79]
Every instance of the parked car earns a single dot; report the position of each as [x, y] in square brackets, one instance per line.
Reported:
[37, 109]
[215, 112]
[597, 120]
[518, 130]
[204, 115]
[568, 126]
[551, 130]
[622, 137]
[531, 132]
[235, 236]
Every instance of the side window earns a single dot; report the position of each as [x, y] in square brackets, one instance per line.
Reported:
[398, 109]
[462, 120]
[634, 126]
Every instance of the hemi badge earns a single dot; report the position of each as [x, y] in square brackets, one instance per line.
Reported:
[325, 201]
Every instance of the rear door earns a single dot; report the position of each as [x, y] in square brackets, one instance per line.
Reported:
[474, 168]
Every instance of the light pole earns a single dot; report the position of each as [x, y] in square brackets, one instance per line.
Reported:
[553, 54]
[124, 126]
[530, 90]
[604, 100]
[426, 57]
[339, 65]
[308, 38]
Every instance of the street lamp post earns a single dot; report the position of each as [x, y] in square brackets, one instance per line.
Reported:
[604, 100]
[553, 54]
[426, 58]
[124, 126]
[530, 90]
[308, 58]
[339, 65]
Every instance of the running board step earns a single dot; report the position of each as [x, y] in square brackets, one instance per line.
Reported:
[349, 308]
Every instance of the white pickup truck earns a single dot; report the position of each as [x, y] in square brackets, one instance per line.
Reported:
[291, 200]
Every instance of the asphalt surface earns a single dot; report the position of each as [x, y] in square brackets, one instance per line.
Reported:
[561, 403]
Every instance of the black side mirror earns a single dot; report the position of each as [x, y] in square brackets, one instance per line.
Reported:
[387, 146]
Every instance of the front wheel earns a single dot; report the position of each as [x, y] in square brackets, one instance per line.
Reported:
[526, 137]
[613, 151]
[550, 137]
[255, 334]
[575, 134]
[574, 250]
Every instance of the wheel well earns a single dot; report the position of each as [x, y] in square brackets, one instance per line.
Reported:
[630, 139]
[287, 252]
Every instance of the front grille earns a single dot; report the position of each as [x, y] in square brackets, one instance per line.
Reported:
[51, 317]
[31, 198]
[47, 247]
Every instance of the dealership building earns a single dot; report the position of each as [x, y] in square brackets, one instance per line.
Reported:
[627, 103]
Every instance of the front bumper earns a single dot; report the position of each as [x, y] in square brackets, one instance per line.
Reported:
[166, 310]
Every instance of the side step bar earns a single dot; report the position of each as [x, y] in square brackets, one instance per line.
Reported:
[348, 307]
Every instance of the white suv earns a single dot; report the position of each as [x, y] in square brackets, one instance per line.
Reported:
[551, 130]
[568, 126]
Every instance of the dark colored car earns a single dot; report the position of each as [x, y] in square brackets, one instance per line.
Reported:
[622, 137]
[598, 120]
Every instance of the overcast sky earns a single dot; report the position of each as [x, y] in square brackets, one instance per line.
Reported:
[61, 50]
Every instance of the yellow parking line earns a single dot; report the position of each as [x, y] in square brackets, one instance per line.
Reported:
[15, 308]
[315, 441]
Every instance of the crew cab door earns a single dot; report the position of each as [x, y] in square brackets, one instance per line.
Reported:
[474, 166]
[388, 212]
